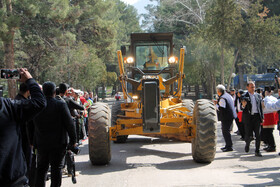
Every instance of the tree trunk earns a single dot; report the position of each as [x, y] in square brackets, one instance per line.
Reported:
[9, 54]
[196, 88]
[211, 85]
[232, 68]
[241, 80]
[222, 65]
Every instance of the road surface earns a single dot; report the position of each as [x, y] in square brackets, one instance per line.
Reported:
[145, 161]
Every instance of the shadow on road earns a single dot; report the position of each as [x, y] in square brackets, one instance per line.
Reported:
[264, 173]
[135, 147]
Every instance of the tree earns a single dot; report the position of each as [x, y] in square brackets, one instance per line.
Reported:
[9, 23]
[224, 22]
[69, 41]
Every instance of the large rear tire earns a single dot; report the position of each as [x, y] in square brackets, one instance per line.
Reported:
[204, 143]
[98, 138]
[116, 110]
[189, 104]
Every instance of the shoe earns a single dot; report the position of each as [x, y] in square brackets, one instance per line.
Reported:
[76, 174]
[64, 171]
[271, 149]
[258, 154]
[265, 148]
[242, 139]
[247, 148]
[236, 132]
[223, 148]
[227, 149]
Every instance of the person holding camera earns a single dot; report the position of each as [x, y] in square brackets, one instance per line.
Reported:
[13, 113]
[72, 105]
[51, 128]
[252, 116]
[226, 114]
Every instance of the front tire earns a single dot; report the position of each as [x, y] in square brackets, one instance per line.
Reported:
[98, 138]
[204, 143]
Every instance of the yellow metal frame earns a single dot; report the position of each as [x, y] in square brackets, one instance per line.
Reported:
[175, 121]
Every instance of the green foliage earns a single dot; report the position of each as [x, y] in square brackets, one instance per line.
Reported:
[68, 41]
[209, 27]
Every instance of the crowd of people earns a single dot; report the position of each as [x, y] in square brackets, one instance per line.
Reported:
[255, 112]
[41, 127]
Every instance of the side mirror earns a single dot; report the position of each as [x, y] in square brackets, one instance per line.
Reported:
[123, 50]
[185, 48]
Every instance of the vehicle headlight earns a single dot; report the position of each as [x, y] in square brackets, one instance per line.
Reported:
[173, 60]
[129, 60]
[135, 97]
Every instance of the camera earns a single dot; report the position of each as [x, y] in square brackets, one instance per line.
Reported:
[244, 98]
[74, 149]
[10, 74]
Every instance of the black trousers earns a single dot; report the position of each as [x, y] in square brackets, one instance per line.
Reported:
[27, 151]
[253, 125]
[226, 132]
[54, 157]
[70, 161]
[268, 137]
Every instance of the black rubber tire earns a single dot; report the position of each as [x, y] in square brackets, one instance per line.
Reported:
[189, 104]
[116, 110]
[98, 137]
[205, 119]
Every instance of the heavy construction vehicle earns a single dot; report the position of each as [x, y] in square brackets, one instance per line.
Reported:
[151, 78]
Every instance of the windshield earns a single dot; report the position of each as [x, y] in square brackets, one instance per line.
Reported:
[152, 56]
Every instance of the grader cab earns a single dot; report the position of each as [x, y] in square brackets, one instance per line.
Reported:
[151, 77]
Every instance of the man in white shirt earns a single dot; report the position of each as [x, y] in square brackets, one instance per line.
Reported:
[252, 116]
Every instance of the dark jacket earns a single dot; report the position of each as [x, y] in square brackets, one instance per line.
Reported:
[247, 110]
[229, 112]
[53, 124]
[23, 124]
[73, 106]
[12, 112]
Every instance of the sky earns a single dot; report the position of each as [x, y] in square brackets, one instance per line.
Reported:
[138, 4]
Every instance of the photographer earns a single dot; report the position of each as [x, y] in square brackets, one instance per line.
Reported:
[72, 105]
[252, 116]
[51, 128]
[12, 161]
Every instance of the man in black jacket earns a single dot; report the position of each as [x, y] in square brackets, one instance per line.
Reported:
[72, 105]
[24, 129]
[51, 128]
[252, 116]
[12, 161]
[227, 113]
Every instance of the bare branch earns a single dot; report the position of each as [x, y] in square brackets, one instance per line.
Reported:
[199, 8]
[190, 9]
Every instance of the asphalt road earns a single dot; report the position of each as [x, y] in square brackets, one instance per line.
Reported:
[145, 161]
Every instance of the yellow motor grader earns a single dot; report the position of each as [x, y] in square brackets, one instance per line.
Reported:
[151, 78]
